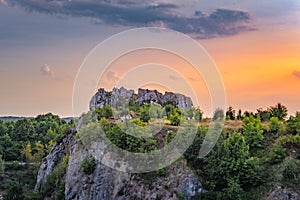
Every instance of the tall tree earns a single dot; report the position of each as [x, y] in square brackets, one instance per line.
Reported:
[279, 111]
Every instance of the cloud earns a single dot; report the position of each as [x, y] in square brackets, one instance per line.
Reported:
[129, 13]
[112, 76]
[3, 2]
[175, 78]
[296, 73]
[47, 71]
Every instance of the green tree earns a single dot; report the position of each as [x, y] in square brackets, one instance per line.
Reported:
[27, 153]
[264, 115]
[23, 130]
[293, 124]
[39, 152]
[175, 119]
[106, 112]
[279, 111]
[253, 132]
[3, 128]
[1, 166]
[275, 125]
[218, 114]
[239, 115]
[230, 113]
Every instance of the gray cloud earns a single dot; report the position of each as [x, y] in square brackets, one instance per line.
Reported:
[296, 73]
[47, 71]
[222, 22]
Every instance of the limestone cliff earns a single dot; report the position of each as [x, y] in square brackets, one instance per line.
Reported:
[106, 183]
[112, 98]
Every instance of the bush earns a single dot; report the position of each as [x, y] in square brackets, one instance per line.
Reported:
[277, 154]
[290, 174]
[175, 119]
[275, 124]
[88, 166]
[218, 114]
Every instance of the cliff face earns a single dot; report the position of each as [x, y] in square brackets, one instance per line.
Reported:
[106, 183]
[112, 98]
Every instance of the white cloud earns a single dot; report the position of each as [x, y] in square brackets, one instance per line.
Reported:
[47, 71]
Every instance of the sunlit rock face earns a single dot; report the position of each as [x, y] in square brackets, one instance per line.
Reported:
[122, 95]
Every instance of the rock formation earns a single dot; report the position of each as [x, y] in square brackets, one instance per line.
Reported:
[106, 183]
[123, 95]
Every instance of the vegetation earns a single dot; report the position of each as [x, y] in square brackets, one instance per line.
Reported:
[256, 150]
[23, 145]
[88, 166]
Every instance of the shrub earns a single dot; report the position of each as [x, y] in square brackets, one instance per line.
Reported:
[274, 124]
[290, 174]
[88, 166]
[175, 119]
[277, 154]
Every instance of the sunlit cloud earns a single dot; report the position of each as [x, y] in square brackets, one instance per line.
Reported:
[47, 71]
[296, 73]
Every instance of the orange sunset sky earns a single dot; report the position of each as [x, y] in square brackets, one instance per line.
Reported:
[254, 45]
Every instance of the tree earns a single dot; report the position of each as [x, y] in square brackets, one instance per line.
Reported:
[175, 119]
[264, 115]
[39, 152]
[239, 115]
[230, 113]
[274, 124]
[253, 132]
[3, 128]
[27, 153]
[279, 111]
[1, 166]
[218, 114]
[293, 124]
[23, 130]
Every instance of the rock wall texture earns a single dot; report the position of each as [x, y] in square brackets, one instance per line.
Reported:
[123, 95]
[109, 184]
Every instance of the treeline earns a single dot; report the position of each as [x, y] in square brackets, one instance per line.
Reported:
[30, 139]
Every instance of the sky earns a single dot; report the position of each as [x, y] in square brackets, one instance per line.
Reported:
[44, 42]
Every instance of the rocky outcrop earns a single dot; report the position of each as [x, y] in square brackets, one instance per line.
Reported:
[123, 95]
[109, 184]
[55, 156]
[190, 187]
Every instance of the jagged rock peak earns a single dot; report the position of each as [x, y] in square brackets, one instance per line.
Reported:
[112, 98]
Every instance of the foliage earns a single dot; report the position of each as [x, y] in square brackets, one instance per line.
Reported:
[279, 111]
[230, 113]
[218, 114]
[15, 136]
[253, 132]
[1, 166]
[290, 174]
[88, 166]
[15, 192]
[264, 115]
[175, 119]
[277, 154]
[275, 125]
[293, 124]
[55, 178]
[105, 112]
